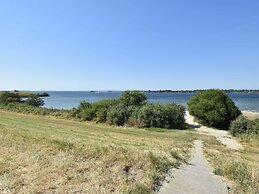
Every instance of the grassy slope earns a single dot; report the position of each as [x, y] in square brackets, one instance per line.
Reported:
[240, 168]
[40, 154]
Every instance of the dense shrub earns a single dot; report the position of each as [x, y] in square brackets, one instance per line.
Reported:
[84, 105]
[9, 97]
[143, 116]
[159, 116]
[87, 114]
[119, 114]
[102, 107]
[242, 125]
[133, 98]
[34, 100]
[213, 108]
[94, 111]
[255, 126]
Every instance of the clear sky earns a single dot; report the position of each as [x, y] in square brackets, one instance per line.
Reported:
[129, 44]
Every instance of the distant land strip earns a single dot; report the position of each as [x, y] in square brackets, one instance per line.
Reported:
[191, 91]
[24, 94]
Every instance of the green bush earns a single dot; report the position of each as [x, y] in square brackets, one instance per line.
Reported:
[94, 111]
[88, 114]
[9, 97]
[213, 108]
[102, 108]
[84, 105]
[119, 115]
[143, 117]
[133, 98]
[159, 116]
[242, 125]
[34, 100]
[255, 126]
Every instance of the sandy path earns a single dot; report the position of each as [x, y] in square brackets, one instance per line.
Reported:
[221, 135]
[195, 178]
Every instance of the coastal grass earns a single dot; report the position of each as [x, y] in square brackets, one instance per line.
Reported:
[45, 154]
[240, 168]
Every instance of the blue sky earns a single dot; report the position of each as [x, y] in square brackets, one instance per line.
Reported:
[133, 44]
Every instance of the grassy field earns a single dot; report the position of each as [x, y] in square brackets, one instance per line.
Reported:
[44, 154]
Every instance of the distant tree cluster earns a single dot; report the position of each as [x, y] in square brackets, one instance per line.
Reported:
[11, 97]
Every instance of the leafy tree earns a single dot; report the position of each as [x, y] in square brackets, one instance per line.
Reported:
[213, 108]
[35, 100]
[133, 98]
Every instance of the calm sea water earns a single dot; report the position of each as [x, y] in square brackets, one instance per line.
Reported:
[67, 100]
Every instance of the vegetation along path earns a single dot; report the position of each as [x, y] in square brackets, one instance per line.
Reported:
[197, 176]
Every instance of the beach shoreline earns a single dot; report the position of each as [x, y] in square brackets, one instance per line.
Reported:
[252, 115]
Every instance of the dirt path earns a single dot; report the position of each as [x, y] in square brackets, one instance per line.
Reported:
[195, 178]
[221, 135]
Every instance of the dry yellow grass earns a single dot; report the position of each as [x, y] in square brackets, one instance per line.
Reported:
[44, 154]
[240, 168]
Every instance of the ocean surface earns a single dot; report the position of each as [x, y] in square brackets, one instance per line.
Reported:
[69, 99]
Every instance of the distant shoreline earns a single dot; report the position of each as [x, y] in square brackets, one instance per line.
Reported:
[191, 91]
[26, 94]
[147, 91]
[176, 91]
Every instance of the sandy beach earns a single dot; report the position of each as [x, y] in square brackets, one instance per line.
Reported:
[251, 115]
